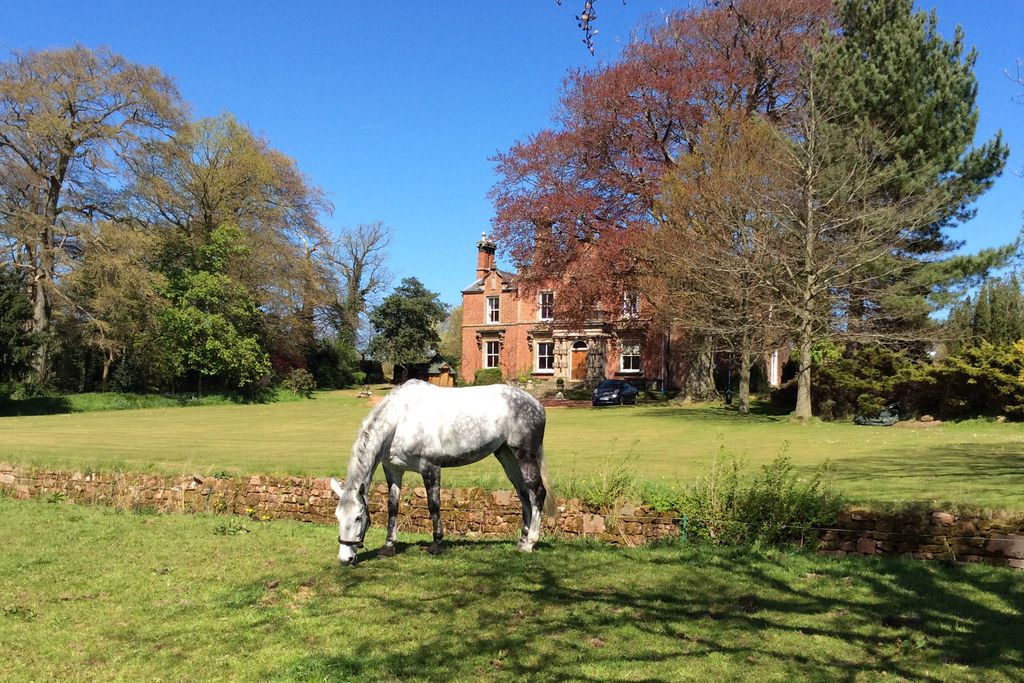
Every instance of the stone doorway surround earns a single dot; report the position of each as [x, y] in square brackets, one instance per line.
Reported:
[578, 366]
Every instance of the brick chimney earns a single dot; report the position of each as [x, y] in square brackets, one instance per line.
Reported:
[484, 255]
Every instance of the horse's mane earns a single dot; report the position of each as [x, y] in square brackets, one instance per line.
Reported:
[373, 440]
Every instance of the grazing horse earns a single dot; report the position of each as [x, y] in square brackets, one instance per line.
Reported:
[422, 428]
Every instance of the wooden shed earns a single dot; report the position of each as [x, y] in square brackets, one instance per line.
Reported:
[436, 371]
[440, 373]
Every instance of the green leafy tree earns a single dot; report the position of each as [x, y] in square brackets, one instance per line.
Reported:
[882, 162]
[451, 338]
[216, 172]
[210, 327]
[17, 342]
[405, 324]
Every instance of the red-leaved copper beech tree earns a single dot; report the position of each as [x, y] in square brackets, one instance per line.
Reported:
[573, 202]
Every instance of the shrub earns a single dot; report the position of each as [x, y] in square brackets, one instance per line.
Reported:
[777, 505]
[300, 382]
[487, 376]
[984, 380]
[860, 381]
[334, 364]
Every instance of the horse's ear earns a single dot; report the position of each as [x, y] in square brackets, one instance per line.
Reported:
[336, 487]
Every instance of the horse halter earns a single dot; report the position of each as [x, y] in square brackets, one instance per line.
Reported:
[366, 525]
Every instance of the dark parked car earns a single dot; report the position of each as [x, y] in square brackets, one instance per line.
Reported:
[614, 392]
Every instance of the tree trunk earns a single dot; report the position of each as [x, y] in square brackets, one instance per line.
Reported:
[107, 360]
[699, 383]
[746, 357]
[803, 377]
[42, 277]
[805, 335]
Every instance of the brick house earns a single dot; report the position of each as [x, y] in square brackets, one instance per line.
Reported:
[502, 329]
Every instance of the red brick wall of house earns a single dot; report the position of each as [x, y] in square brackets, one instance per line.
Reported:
[519, 316]
[516, 317]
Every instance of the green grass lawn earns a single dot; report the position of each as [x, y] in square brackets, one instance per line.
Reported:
[976, 462]
[90, 593]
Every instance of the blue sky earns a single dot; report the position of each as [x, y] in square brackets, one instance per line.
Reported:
[394, 108]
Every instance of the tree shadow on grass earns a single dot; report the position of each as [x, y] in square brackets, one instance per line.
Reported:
[980, 467]
[725, 415]
[40, 405]
[577, 613]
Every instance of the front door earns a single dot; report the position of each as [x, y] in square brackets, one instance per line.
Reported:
[579, 365]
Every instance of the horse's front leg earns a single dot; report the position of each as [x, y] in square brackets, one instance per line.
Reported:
[432, 482]
[394, 479]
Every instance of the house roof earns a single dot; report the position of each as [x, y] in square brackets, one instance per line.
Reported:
[478, 285]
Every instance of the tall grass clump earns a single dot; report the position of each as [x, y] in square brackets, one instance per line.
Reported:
[777, 505]
[615, 482]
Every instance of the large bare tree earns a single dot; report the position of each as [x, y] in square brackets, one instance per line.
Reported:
[707, 259]
[68, 120]
[358, 259]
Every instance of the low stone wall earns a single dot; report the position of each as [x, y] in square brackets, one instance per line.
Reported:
[927, 535]
[933, 535]
[465, 511]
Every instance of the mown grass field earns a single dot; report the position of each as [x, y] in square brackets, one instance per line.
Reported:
[94, 594]
[976, 462]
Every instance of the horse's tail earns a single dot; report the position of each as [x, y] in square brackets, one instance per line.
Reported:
[550, 508]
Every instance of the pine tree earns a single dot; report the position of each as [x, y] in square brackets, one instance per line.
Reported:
[995, 315]
[891, 67]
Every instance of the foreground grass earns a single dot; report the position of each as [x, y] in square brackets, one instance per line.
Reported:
[104, 595]
[980, 463]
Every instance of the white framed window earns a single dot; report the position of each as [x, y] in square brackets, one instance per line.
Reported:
[492, 353]
[629, 357]
[630, 304]
[545, 357]
[547, 305]
[493, 309]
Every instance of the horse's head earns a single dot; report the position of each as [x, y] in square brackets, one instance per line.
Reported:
[353, 515]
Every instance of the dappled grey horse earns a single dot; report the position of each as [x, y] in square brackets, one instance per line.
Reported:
[420, 427]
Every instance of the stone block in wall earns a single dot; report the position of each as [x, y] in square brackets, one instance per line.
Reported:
[866, 546]
[502, 497]
[942, 518]
[1006, 545]
[593, 524]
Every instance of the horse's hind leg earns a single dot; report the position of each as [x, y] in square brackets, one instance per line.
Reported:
[525, 479]
[432, 482]
[394, 479]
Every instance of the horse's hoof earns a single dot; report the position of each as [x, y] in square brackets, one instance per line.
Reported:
[436, 548]
[525, 547]
[386, 551]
